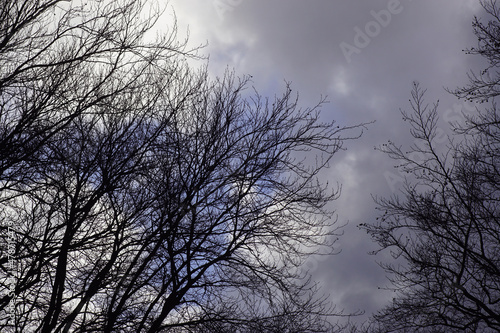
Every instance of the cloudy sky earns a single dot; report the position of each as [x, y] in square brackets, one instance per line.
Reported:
[364, 55]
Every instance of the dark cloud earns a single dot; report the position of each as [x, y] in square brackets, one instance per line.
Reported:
[300, 41]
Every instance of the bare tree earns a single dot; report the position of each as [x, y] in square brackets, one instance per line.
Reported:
[59, 59]
[443, 228]
[484, 85]
[140, 195]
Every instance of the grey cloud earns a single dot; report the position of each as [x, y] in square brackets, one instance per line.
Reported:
[300, 41]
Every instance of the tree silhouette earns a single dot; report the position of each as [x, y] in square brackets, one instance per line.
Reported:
[139, 195]
[444, 226]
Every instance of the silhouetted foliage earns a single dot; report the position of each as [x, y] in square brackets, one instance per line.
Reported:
[484, 85]
[443, 229]
[141, 196]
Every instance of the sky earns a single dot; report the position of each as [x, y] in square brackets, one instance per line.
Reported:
[363, 55]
